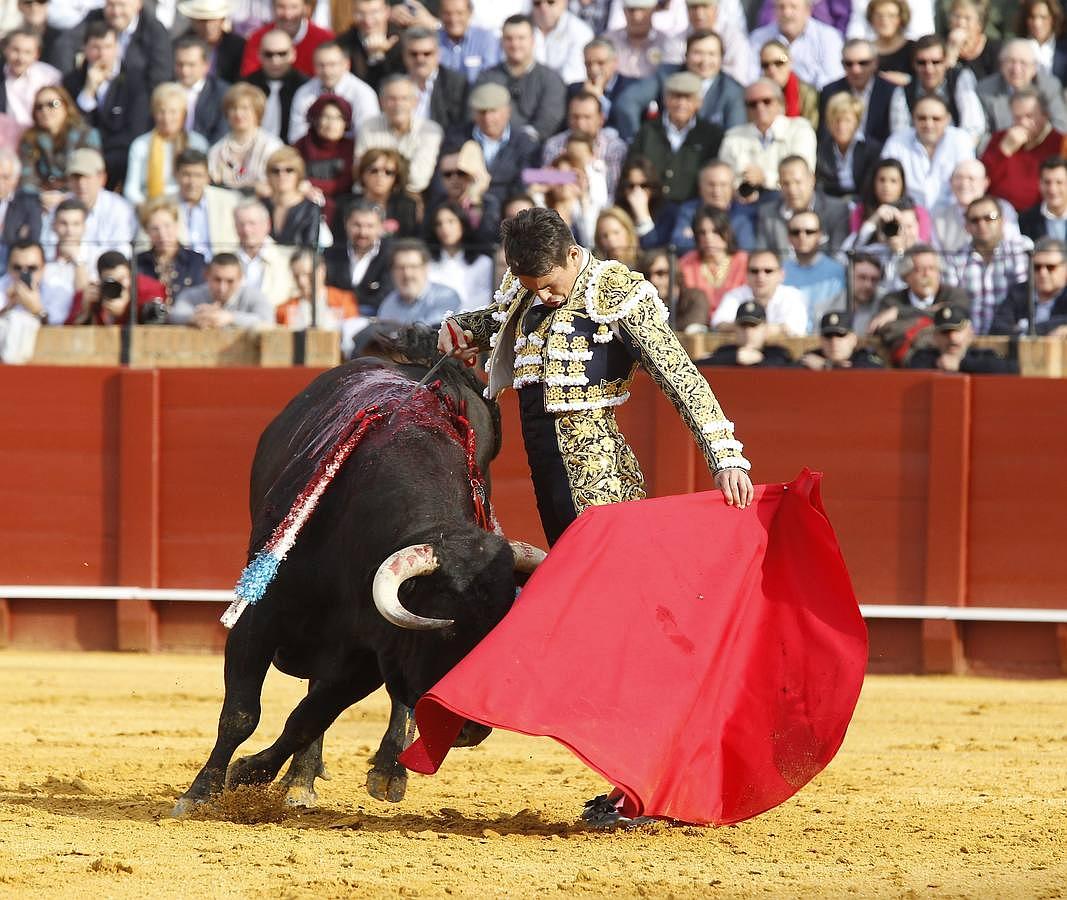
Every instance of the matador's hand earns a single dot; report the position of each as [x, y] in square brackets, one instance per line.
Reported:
[736, 487]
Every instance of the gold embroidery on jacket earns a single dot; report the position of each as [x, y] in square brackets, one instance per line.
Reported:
[601, 467]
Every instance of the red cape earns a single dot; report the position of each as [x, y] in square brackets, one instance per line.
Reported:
[706, 661]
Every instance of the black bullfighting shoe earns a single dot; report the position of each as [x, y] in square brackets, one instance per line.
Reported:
[605, 811]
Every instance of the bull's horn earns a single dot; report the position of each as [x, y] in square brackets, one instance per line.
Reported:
[418, 559]
[527, 556]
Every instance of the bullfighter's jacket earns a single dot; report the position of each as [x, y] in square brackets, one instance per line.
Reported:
[583, 355]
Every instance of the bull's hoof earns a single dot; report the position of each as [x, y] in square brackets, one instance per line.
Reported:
[248, 770]
[184, 806]
[302, 796]
[472, 734]
[383, 786]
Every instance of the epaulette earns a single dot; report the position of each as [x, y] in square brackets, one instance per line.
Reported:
[612, 293]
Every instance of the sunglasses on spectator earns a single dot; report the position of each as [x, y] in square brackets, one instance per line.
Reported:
[759, 101]
[281, 170]
[273, 54]
[756, 270]
[796, 232]
[773, 63]
[452, 173]
[378, 170]
[544, 2]
[988, 217]
[1046, 267]
[54, 103]
[856, 63]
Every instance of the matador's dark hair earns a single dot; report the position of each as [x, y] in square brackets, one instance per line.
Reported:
[535, 241]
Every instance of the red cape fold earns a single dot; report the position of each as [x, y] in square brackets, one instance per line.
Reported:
[705, 660]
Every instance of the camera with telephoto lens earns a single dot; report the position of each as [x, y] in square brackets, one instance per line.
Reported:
[110, 289]
[154, 312]
[891, 229]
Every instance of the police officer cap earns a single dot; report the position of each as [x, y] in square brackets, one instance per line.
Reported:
[751, 313]
[684, 83]
[489, 96]
[949, 318]
[639, 4]
[835, 323]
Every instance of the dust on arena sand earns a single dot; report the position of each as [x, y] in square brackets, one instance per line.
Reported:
[944, 787]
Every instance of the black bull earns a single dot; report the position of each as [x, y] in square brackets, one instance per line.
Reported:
[405, 484]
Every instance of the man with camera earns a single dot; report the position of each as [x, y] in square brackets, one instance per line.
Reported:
[23, 302]
[107, 301]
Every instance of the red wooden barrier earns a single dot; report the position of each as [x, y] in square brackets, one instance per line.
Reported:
[944, 490]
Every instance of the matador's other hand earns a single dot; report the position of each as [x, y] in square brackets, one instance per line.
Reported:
[736, 487]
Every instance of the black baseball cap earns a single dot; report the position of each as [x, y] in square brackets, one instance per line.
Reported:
[835, 324]
[950, 318]
[751, 313]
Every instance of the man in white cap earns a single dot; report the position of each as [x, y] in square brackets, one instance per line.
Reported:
[678, 143]
[642, 49]
[559, 37]
[208, 20]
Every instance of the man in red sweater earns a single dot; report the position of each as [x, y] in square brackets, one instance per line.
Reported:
[292, 17]
[1014, 156]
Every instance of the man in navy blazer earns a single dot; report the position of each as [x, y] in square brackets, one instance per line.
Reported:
[602, 78]
[192, 61]
[723, 101]
[861, 78]
[1049, 217]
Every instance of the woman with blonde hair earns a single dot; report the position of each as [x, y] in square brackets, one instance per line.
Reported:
[844, 158]
[57, 131]
[615, 236]
[294, 219]
[150, 169]
[239, 158]
[174, 266]
[801, 98]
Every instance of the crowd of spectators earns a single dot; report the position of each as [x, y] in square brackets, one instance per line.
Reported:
[886, 175]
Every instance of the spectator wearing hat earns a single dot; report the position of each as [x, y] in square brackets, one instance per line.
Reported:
[144, 47]
[820, 278]
[279, 81]
[640, 48]
[442, 94]
[559, 38]
[538, 95]
[721, 98]
[203, 91]
[991, 264]
[954, 350]
[751, 349]
[838, 347]
[327, 152]
[112, 99]
[1049, 287]
[208, 21]
[815, 47]
[505, 149]
[787, 312]
[1048, 218]
[678, 143]
[110, 222]
[715, 15]
[290, 16]
[1014, 156]
[755, 150]
[417, 139]
[465, 48]
[332, 76]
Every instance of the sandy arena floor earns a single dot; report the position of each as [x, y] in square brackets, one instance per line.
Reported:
[944, 787]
